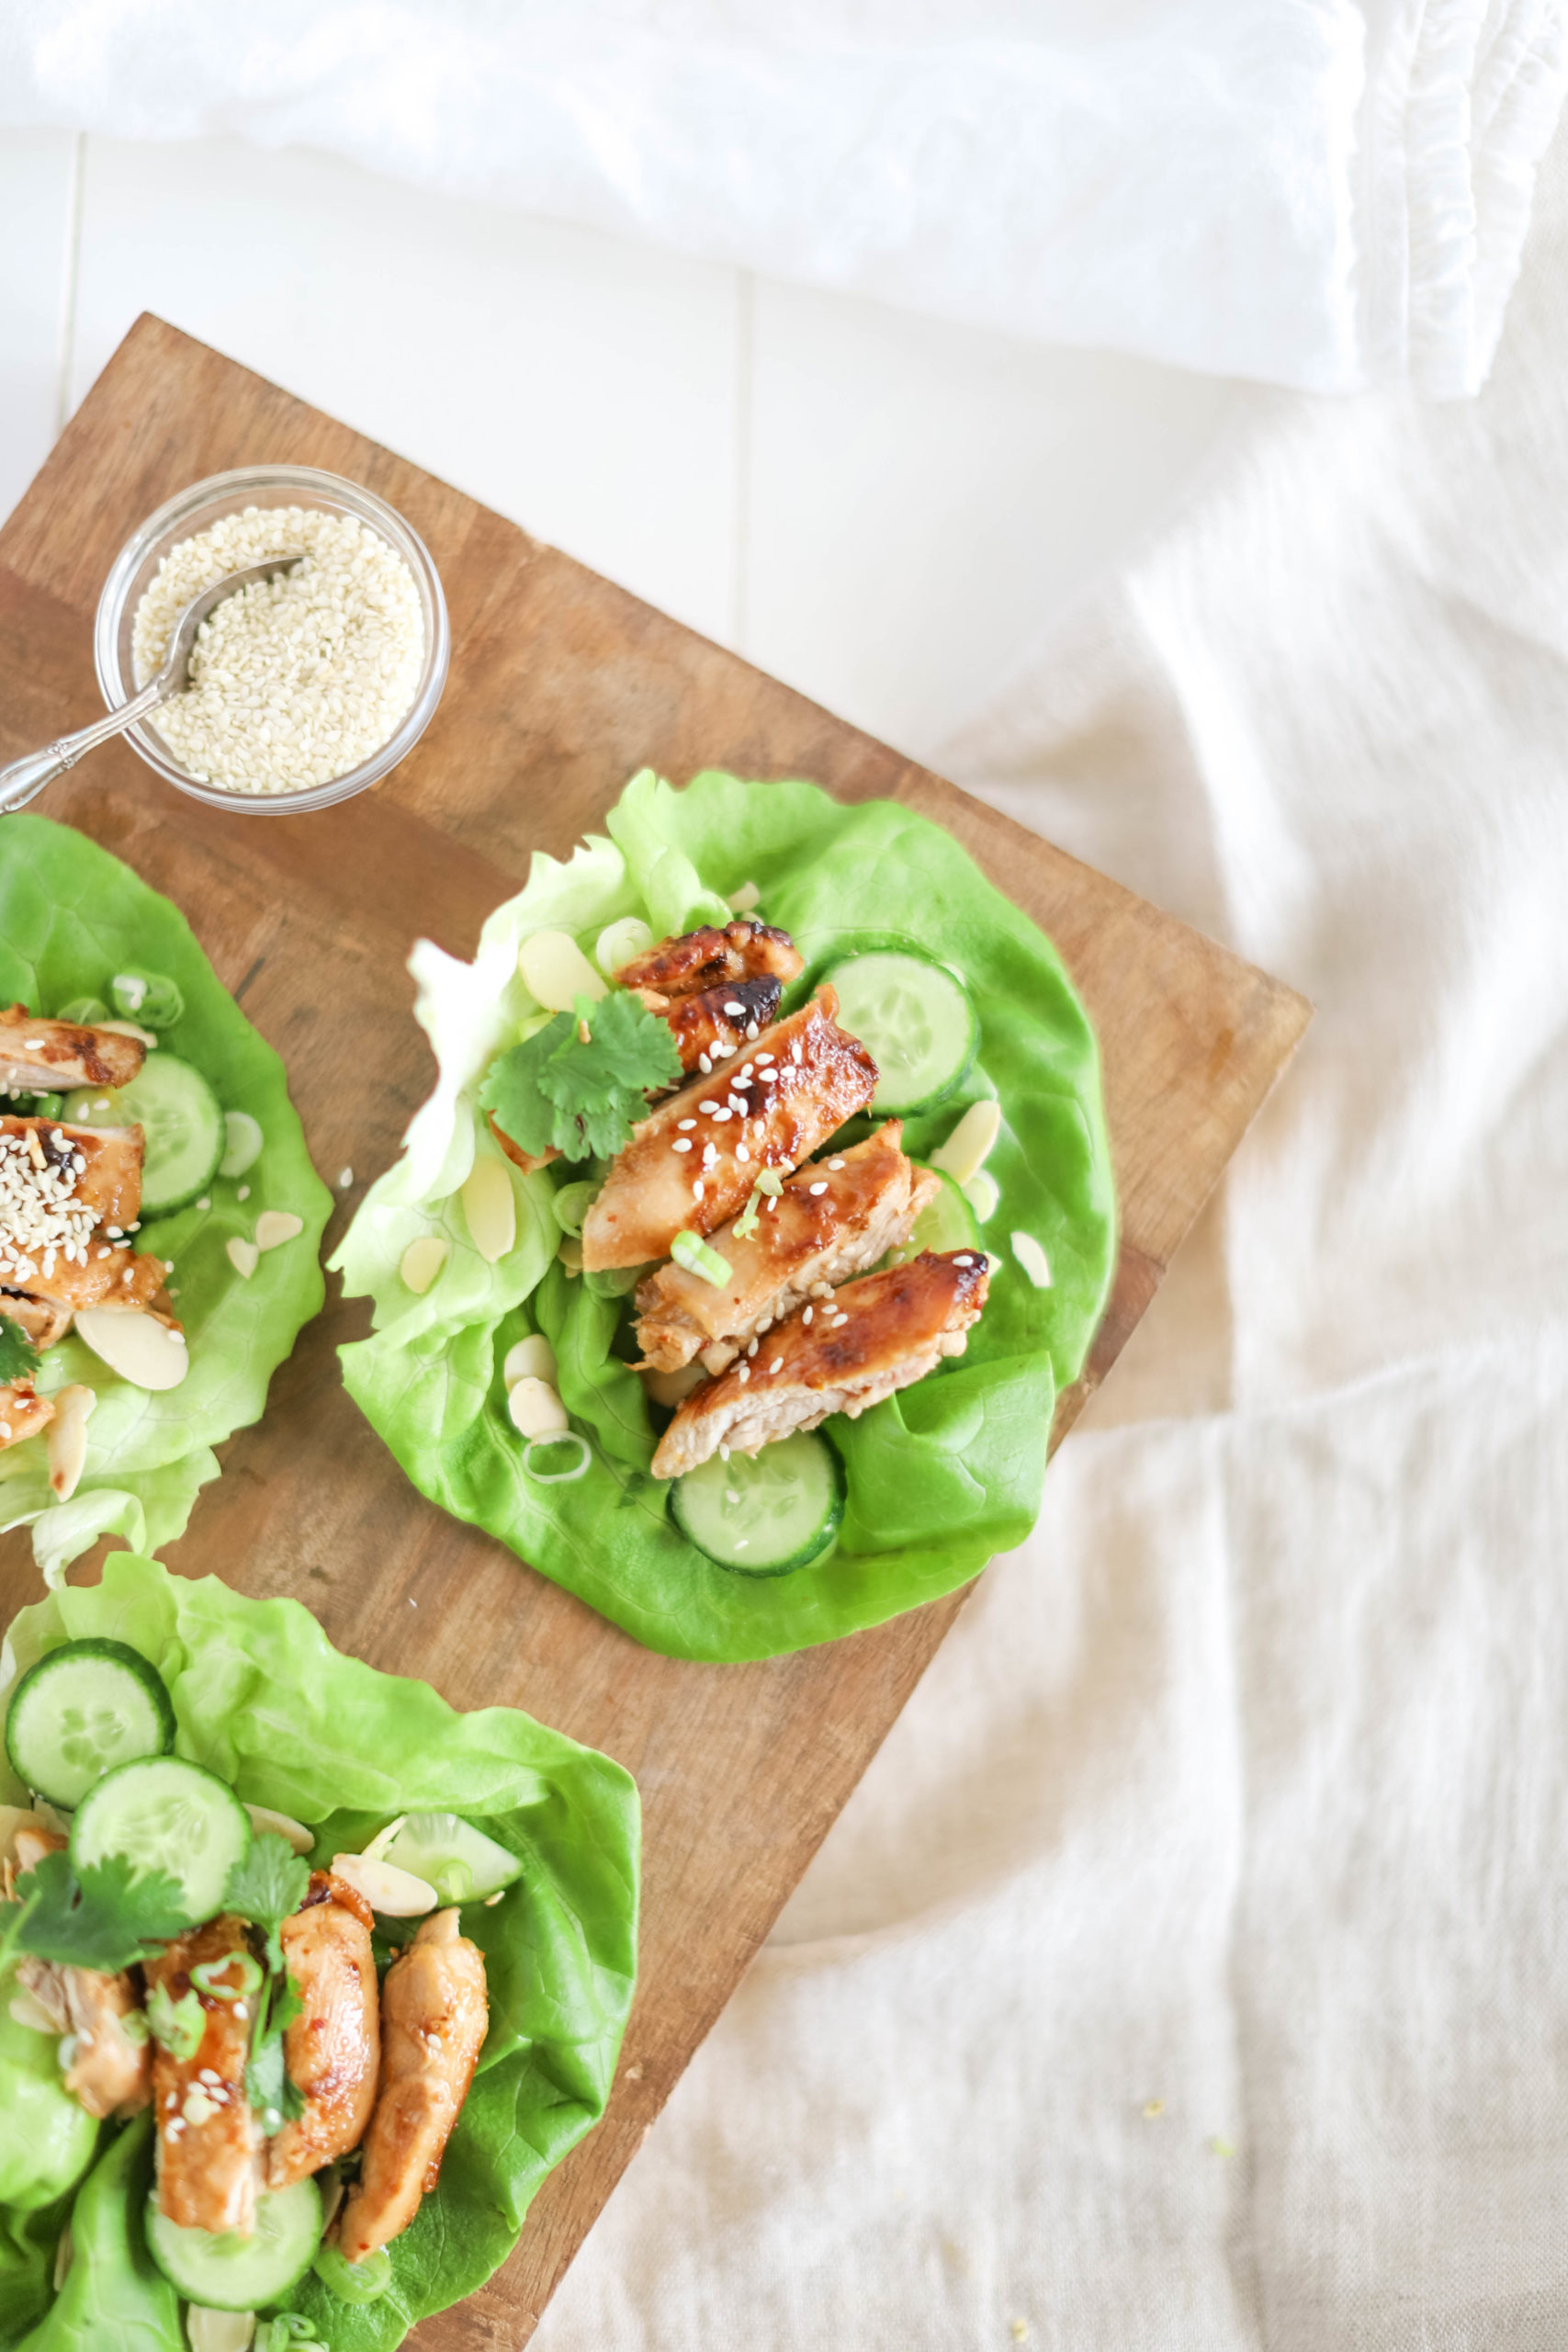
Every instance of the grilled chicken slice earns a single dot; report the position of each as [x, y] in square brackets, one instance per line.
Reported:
[435, 2013]
[333, 2048]
[67, 1196]
[701, 960]
[714, 1024]
[875, 1336]
[23, 1413]
[108, 2072]
[834, 1218]
[208, 2142]
[692, 1163]
[43, 1319]
[51, 1056]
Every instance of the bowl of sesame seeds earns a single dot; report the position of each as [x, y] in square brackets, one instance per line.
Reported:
[305, 688]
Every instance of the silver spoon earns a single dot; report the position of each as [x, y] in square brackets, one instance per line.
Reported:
[24, 777]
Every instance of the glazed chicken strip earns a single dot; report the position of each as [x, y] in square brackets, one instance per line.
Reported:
[23, 1413]
[834, 1218]
[51, 1056]
[334, 2048]
[716, 1023]
[692, 1163]
[108, 2071]
[879, 1334]
[435, 2013]
[703, 959]
[67, 1197]
[710, 1027]
[208, 2142]
[43, 1319]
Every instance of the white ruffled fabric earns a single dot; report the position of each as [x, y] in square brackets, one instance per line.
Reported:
[1190, 1969]
[1324, 194]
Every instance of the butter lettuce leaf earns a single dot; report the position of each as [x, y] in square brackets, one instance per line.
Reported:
[71, 917]
[940, 1477]
[262, 1698]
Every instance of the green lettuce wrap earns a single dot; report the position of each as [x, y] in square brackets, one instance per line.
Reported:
[262, 1698]
[71, 917]
[940, 1476]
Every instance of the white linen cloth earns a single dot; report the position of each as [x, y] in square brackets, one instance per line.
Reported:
[1317, 193]
[1190, 1968]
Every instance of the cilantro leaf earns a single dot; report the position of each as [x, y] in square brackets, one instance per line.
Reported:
[267, 1882]
[19, 1357]
[271, 2091]
[512, 1091]
[583, 1095]
[108, 1917]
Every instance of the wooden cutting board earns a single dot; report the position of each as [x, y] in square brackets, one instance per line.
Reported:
[561, 686]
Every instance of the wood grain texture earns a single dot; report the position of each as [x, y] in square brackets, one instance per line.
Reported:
[561, 686]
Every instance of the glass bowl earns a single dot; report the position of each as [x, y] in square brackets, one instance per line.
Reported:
[195, 509]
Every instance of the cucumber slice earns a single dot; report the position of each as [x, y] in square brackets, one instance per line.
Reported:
[80, 1712]
[766, 1516]
[946, 1223]
[460, 1863]
[184, 1134]
[165, 1814]
[225, 2272]
[915, 1019]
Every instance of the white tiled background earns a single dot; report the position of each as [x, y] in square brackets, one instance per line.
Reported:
[885, 511]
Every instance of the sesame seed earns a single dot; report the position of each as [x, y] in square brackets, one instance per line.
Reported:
[752, 1348]
[682, 1143]
[763, 1057]
[808, 1314]
[295, 680]
[745, 1371]
[837, 1322]
[741, 1152]
[815, 1189]
[964, 1261]
[685, 1125]
[776, 1365]
[720, 1117]
[723, 1454]
[697, 1190]
[708, 1106]
[835, 1163]
[705, 1065]
[736, 1011]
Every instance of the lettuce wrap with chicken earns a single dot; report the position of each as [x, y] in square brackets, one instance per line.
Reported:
[472, 1247]
[232, 1205]
[335, 1754]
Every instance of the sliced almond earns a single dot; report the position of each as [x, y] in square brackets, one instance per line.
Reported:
[489, 1204]
[1033, 1258]
[140, 1348]
[396, 1893]
[274, 1226]
[668, 1387]
[556, 972]
[966, 1148]
[243, 1255]
[741, 901]
[535, 1409]
[422, 1261]
[68, 1439]
[533, 1358]
[282, 1825]
[983, 1193]
[213, 2331]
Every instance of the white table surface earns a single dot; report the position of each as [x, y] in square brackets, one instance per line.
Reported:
[885, 511]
